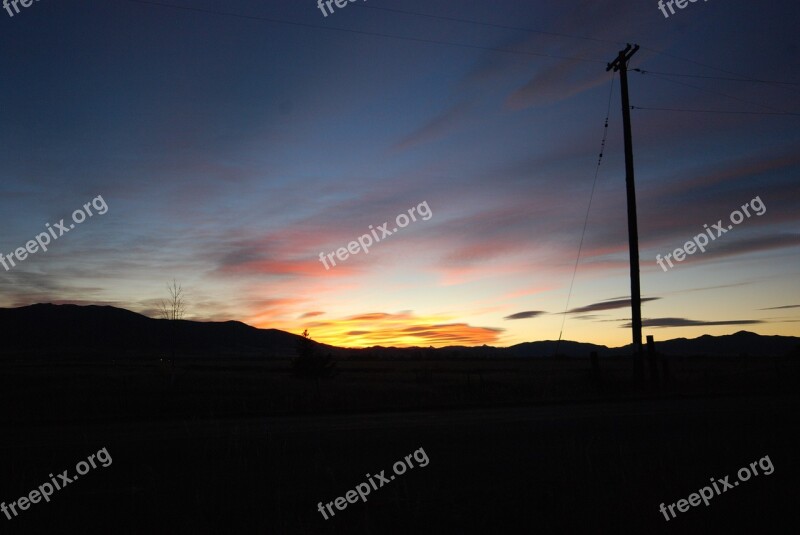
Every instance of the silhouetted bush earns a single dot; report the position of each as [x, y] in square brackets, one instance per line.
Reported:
[309, 362]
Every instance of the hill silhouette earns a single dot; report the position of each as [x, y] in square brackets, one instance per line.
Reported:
[48, 328]
[45, 329]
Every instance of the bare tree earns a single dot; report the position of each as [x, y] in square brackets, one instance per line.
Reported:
[173, 308]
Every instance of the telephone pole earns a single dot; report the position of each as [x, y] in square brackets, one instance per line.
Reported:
[621, 64]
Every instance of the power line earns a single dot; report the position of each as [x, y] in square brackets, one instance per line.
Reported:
[588, 209]
[698, 63]
[716, 111]
[360, 32]
[743, 78]
[490, 25]
[718, 93]
[753, 80]
[585, 38]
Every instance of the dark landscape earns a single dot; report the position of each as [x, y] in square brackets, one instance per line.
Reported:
[237, 443]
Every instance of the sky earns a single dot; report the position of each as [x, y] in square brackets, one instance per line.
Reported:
[240, 147]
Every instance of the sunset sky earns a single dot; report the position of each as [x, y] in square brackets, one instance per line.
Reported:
[235, 141]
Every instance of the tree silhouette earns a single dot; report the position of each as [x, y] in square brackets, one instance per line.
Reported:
[309, 362]
[174, 307]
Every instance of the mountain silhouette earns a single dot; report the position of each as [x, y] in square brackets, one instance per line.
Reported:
[71, 329]
[87, 331]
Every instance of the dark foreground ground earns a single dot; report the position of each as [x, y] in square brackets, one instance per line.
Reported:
[601, 462]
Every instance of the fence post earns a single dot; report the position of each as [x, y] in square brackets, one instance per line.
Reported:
[653, 359]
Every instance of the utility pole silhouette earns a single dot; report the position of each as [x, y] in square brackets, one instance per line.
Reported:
[621, 64]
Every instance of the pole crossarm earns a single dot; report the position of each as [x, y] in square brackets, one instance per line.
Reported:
[622, 58]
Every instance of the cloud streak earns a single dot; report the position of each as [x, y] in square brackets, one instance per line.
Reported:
[684, 322]
[608, 305]
[525, 315]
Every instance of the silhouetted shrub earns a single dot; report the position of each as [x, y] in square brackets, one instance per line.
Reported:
[309, 362]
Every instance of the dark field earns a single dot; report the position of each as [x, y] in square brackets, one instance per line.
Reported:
[138, 389]
[516, 446]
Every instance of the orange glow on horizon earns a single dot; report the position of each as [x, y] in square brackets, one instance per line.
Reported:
[394, 330]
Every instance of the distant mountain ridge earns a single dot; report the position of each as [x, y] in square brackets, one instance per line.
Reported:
[74, 329]
[101, 329]
[742, 342]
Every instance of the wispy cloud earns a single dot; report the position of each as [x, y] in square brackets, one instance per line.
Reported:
[781, 307]
[525, 315]
[435, 128]
[684, 322]
[608, 305]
